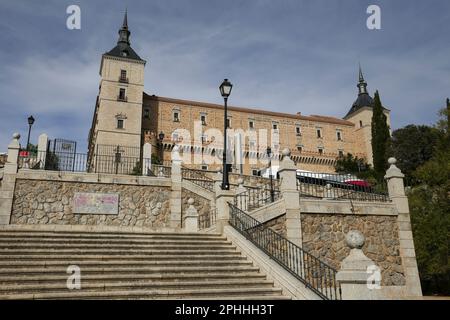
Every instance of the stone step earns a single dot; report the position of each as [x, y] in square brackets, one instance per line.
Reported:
[102, 257]
[52, 240]
[135, 285]
[77, 251]
[123, 269]
[219, 294]
[101, 235]
[168, 277]
[105, 246]
[123, 262]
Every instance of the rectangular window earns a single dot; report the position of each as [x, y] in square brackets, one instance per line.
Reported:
[274, 126]
[228, 123]
[256, 172]
[204, 138]
[146, 113]
[203, 119]
[123, 76]
[175, 137]
[176, 117]
[320, 151]
[119, 123]
[251, 124]
[122, 94]
[298, 130]
[204, 167]
[339, 136]
[299, 149]
[319, 133]
[341, 153]
[252, 144]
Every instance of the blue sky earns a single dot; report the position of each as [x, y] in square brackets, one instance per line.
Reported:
[290, 56]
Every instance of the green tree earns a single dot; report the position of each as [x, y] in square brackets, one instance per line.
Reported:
[412, 146]
[430, 216]
[380, 138]
[350, 164]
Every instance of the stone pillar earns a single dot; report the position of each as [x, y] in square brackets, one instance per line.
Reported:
[146, 159]
[353, 275]
[191, 217]
[175, 195]
[291, 197]
[223, 197]
[396, 189]
[42, 150]
[9, 180]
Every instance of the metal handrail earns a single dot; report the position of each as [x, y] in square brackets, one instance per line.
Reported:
[308, 269]
[198, 177]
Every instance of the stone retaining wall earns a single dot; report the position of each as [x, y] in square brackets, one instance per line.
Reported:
[50, 202]
[324, 237]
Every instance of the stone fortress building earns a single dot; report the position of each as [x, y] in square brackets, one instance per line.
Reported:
[127, 117]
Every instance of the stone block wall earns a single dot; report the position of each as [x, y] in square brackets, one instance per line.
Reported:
[324, 237]
[50, 202]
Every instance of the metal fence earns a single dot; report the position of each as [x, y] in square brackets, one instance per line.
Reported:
[312, 272]
[340, 186]
[78, 162]
[255, 198]
[208, 220]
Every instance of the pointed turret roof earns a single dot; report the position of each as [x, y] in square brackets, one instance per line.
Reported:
[364, 99]
[123, 48]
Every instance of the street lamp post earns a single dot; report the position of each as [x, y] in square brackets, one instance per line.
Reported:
[161, 139]
[272, 192]
[30, 123]
[225, 91]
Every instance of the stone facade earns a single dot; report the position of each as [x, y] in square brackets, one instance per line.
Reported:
[324, 237]
[50, 202]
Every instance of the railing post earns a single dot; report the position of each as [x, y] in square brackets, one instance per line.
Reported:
[9, 180]
[146, 159]
[191, 217]
[175, 195]
[42, 150]
[291, 197]
[355, 272]
[396, 189]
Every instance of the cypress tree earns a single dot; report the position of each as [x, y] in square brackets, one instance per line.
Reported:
[380, 138]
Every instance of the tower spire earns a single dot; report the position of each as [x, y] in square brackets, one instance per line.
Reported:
[362, 85]
[124, 33]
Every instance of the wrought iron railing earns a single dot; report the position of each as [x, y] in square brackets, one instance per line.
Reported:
[78, 162]
[311, 271]
[255, 198]
[198, 177]
[340, 186]
[208, 220]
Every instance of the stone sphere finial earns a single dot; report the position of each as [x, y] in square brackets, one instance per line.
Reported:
[16, 136]
[392, 161]
[328, 186]
[286, 152]
[355, 239]
[191, 201]
[240, 181]
[176, 148]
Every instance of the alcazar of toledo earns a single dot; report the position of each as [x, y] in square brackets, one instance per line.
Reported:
[147, 213]
[127, 116]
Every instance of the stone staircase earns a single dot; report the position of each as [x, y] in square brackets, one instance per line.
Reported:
[120, 265]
